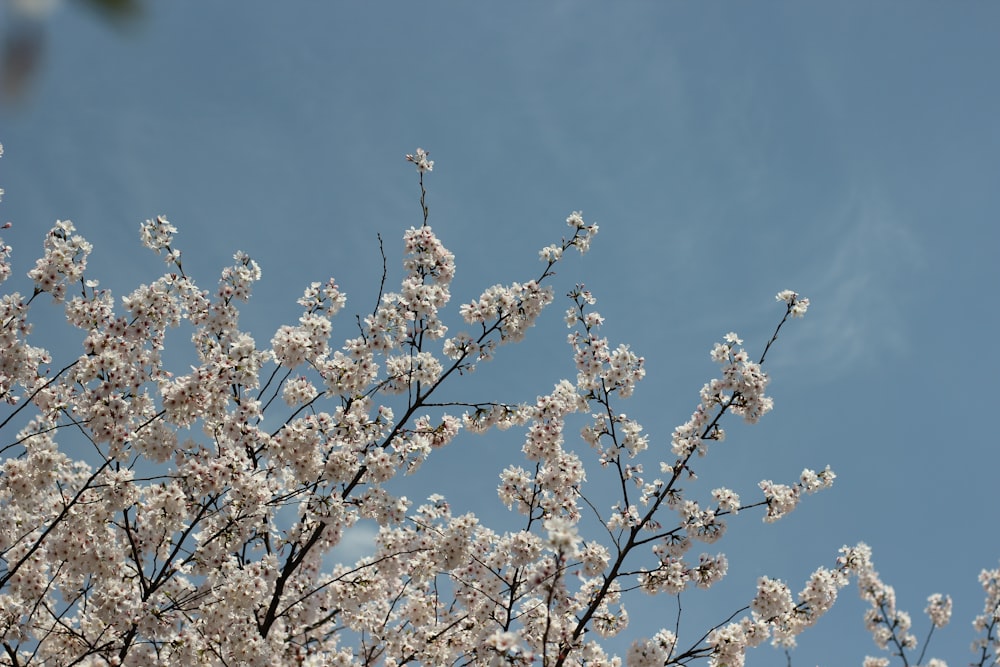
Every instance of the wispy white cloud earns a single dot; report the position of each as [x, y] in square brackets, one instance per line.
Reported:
[357, 542]
[860, 295]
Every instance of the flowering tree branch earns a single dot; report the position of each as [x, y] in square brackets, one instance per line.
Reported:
[199, 522]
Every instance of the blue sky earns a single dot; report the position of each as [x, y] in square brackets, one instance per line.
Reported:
[849, 151]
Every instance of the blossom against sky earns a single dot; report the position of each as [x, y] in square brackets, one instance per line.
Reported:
[846, 151]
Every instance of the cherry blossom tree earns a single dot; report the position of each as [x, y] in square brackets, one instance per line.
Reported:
[197, 522]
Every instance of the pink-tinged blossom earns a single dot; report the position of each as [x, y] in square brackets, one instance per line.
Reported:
[551, 253]
[64, 262]
[583, 233]
[324, 299]
[773, 600]
[670, 577]
[513, 309]
[812, 481]
[781, 499]
[819, 594]
[516, 488]
[348, 374]
[426, 257]
[939, 609]
[19, 362]
[157, 234]
[204, 531]
[701, 525]
[292, 346]
[987, 623]
[562, 535]
[729, 645]
[499, 416]
[890, 626]
[646, 653]
[740, 390]
[5, 252]
[461, 346]
[405, 371]
[709, 570]
[729, 500]
[299, 391]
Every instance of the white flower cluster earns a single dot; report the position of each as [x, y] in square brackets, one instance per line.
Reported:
[202, 529]
[419, 158]
[782, 499]
[890, 626]
[653, 652]
[157, 234]
[64, 261]
[988, 623]
[797, 306]
[740, 390]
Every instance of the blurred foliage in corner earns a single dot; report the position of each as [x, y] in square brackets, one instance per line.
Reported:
[22, 52]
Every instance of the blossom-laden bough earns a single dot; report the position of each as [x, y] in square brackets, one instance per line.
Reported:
[197, 523]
